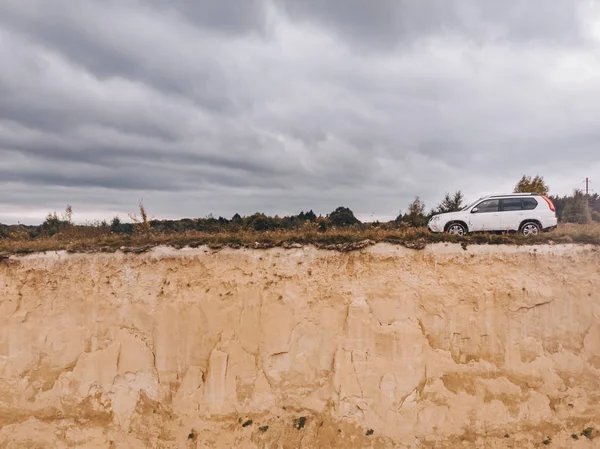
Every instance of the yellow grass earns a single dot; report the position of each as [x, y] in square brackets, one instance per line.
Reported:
[83, 239]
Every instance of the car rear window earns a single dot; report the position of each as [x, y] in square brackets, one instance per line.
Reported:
[529, 203]
[509, 204]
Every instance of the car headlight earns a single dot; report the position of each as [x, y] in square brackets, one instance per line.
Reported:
[434, 218]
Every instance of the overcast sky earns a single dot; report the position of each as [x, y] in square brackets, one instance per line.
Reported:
[278, 106]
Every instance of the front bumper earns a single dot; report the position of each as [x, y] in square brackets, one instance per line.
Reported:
[435, 226]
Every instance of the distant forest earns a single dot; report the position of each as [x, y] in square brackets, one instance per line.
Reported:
[575, 208]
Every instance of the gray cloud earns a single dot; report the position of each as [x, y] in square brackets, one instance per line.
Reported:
[387, 23]
[224, 16]
[287, 105]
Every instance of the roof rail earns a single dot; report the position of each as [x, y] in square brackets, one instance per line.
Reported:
[496, 195]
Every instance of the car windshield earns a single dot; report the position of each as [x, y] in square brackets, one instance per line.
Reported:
[470, 205]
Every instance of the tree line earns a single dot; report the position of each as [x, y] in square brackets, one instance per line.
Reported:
[575, 208]
[578, 207]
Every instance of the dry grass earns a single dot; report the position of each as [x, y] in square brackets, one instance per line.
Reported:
[90, 240]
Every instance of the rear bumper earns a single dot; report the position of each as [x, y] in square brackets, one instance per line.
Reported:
[551, 225]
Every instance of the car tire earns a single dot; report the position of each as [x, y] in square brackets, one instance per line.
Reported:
[530, 228]
[456, 229]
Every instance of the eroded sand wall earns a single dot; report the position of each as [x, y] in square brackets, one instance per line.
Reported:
[384, 347]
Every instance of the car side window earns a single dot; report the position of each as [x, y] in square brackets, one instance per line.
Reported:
[487, 206]
[529, 203]
[511, 204]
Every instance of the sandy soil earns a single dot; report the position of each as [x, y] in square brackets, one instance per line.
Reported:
[385, 347]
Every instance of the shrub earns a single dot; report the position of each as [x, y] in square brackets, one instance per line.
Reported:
[577, 209]
[342, 216]
[415, 216]
[54, 225]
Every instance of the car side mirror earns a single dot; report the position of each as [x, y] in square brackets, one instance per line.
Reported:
[473, 210]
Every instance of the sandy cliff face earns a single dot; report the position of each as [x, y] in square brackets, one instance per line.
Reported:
[379, 348]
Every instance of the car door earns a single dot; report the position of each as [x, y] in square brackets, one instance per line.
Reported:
[511, 213]
[485, 216]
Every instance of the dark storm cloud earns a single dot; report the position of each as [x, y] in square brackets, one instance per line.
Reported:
[86, 148]
[84, 34]
[223, 16]
[389, 22]
[286, 105]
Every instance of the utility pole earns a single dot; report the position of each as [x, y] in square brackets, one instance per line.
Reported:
[587, 186]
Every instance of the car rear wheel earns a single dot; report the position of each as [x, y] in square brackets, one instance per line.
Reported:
[456, 229]
[530, 228]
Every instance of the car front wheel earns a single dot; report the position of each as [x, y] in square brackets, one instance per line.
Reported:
[456, 229]
[530, 228]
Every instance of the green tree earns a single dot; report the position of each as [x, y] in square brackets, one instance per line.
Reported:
[260, 222]
[450, 203]
[527, 184]
[594, 202]
[115, 224]
[577, 209]
[342, 216]
[308, 216]
[416, 214]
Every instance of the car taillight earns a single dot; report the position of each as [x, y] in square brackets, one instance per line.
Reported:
[550, 205]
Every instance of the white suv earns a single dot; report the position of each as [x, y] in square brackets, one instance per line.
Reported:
[527, 213]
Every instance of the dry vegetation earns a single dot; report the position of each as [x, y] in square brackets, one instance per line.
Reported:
[87, 239]
[578, 214]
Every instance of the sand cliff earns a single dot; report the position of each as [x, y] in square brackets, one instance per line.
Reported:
[488, 346]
